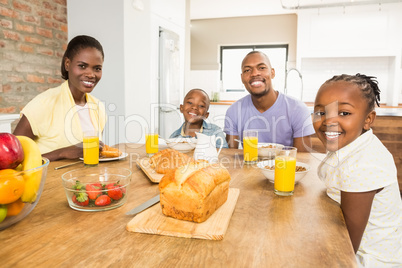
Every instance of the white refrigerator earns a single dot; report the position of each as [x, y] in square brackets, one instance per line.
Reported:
[169, 83]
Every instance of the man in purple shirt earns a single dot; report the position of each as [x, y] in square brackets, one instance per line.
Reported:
[277, 117]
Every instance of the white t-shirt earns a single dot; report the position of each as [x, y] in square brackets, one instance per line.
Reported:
[361, 166]
[85, 119]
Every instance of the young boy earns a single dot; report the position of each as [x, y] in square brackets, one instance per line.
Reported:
[195, 110]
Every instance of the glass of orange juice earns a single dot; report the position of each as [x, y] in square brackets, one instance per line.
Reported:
[250, 146]
[91, 148]
[151, 143]
[285, 170]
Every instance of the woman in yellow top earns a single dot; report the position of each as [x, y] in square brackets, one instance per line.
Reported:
[57, 118]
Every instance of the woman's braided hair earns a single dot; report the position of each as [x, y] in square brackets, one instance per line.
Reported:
[368, 85]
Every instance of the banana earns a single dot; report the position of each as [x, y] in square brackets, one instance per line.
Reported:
[32, 159]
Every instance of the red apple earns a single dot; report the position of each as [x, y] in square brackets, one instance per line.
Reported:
[11, 153]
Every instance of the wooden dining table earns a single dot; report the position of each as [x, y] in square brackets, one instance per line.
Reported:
[265, 230]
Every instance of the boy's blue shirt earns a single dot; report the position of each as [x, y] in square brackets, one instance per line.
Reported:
[208, 129]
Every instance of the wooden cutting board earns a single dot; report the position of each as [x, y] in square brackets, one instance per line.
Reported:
[152, 221]
[143, 163]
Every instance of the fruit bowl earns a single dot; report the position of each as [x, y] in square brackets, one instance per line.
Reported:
[15, 214]
[268, 169]
[96, 188]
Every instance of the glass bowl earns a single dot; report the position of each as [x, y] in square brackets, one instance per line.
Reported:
[268, 169]
[96, 188]
[41, 172]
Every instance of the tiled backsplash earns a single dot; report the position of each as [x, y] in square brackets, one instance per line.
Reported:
[317, 70]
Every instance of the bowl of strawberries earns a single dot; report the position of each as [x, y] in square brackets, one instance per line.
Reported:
[96, 188]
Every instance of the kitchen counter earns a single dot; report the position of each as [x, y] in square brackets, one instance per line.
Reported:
[6, 120]
[381, 111]
[265, 230]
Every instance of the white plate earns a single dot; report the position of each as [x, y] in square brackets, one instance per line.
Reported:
[101, 159]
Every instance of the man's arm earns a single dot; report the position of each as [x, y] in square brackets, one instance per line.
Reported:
[231, 141]
[303, 144]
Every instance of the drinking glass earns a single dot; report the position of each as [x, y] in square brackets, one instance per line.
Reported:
[91, 148]
[250, 146]
[285, 170]
[151, 142]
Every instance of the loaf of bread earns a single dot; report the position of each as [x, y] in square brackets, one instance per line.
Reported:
[195, 191]
[109, 152]
[167, 160]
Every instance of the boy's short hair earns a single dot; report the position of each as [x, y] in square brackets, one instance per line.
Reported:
[199, 89]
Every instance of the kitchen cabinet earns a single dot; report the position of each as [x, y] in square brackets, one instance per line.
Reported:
[363, 39]
[217, 112]
[389, 130]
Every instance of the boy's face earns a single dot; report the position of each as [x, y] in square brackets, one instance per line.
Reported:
[340, 114]
[195, 106]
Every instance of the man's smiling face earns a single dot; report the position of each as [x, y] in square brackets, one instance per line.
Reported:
[257, 74]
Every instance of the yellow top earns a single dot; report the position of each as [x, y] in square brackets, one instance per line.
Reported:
[54, 119]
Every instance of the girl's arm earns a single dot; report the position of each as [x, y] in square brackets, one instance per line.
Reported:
[356, 209]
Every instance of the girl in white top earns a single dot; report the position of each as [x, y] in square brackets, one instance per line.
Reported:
[359, 171]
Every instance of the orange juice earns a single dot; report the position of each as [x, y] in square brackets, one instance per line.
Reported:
[91, 150]
[285, 170]
[151, 143]
[250, 149]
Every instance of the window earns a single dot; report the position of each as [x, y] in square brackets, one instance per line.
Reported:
[232, 56]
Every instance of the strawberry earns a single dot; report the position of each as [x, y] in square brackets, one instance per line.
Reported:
[103, 200]
[114, 191]
[81, 199]
[93, 190]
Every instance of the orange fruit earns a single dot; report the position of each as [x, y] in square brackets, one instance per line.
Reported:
[12, 186]
[15, 208]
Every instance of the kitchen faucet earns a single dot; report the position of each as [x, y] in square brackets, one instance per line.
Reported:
[301, 81]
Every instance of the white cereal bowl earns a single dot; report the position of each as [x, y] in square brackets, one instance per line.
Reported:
[267, 150]
[270, 173]
[183, 145]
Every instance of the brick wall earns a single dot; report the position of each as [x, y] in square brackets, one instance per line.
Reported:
[33, 38]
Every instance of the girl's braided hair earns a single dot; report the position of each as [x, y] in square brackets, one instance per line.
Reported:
[368, 85]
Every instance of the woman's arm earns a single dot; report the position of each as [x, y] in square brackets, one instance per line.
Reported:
[71, 152]
[23, 128]
[356, 209]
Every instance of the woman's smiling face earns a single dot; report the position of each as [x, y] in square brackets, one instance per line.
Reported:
[84, 70]
[341, 114]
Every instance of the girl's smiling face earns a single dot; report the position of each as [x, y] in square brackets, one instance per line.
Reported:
[341, 114]
[84, 70]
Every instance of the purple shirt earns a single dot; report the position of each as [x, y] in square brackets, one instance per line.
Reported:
[288, 118]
